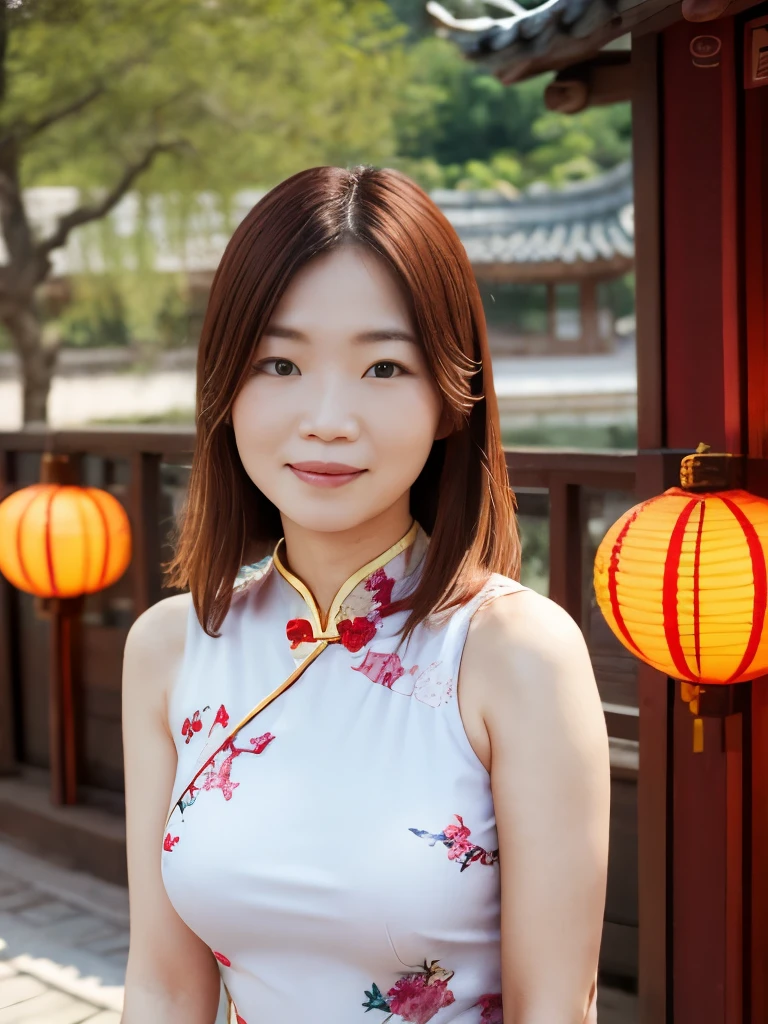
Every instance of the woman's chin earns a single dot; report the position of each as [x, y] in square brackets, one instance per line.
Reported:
[328, 519]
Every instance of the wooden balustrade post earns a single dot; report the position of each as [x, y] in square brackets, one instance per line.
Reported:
[63, 615]
[62, 720]
[588, 314]
[8, 641]
[565, 554]
[144, 511]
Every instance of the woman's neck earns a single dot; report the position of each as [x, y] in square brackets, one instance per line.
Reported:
[325, 561]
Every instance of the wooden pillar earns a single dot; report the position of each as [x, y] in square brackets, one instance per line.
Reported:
[63, 727]
[703, 403]
[63, 615]
[754, 270]
[590, 332]
[144, 511]
[701, 202]
[565, 534]
[552, 316]
[8, 643]
[655, 692]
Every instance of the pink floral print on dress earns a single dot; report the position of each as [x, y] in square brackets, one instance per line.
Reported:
[415, 998]
[381, 668]
[169, 843]
[460, 848]
[222, 719]
[425, 685]
[219, 778]
[490, 1007]
[193, 725]
[381, 585]
[222, 959]
[190, 726]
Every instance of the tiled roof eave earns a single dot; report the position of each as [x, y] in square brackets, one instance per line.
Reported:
[551, 36]
[582, 223]
[553, 271]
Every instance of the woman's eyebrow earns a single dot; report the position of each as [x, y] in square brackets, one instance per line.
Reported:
[275, 331]
[384, 334]
[395, 334]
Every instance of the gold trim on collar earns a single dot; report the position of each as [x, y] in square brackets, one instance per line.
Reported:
[327, 630]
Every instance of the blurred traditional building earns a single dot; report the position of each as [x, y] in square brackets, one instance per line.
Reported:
[566, 240]
[541, 257]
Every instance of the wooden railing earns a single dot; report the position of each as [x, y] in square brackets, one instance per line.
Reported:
[574, 480]
[559, 495]
[566, 501]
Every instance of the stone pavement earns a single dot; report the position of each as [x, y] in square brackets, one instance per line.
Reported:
[64, 946]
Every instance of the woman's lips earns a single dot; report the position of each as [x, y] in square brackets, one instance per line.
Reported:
[325, 474]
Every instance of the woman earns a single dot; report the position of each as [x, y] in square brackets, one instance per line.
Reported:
[322, 810]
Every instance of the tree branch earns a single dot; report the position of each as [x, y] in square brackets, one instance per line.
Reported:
[27, 131]
[95, 211]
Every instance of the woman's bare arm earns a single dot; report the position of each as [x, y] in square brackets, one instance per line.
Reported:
[550, 776]
[172, 977]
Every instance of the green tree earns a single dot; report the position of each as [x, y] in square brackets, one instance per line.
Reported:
[181, 95]
[454, 111]
[581, 145]
[460, 127]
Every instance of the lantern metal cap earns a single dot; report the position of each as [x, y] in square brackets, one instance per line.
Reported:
[56, 468]
[705, 470]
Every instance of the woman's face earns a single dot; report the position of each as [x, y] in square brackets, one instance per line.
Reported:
[338, 415]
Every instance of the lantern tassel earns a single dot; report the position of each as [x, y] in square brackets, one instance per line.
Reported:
[691, 694]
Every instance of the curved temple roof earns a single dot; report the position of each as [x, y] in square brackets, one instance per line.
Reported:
[551, 35]
[585, 226]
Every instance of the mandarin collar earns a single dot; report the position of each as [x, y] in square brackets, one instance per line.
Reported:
[355, 614]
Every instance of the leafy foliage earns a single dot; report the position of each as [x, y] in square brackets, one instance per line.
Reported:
[250, 90]
[177, 97]
[460, 127]
[172, 98]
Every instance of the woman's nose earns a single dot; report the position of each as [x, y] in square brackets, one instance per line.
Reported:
[329, 412]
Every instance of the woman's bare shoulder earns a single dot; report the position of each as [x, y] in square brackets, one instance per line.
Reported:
[154, 647]
[524, 613]
[523, 636]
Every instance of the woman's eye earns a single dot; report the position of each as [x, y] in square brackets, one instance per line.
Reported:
[277, 367]
[385, 369]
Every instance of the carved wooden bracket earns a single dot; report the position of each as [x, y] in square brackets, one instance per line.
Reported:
[606, 78]
[703, 10]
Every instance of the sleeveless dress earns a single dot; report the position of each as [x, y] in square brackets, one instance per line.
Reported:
[337, 850]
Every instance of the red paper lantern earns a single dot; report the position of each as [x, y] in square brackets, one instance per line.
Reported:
[682, 579]
[58, 540]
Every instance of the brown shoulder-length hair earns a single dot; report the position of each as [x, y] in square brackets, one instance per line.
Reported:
[462, 497]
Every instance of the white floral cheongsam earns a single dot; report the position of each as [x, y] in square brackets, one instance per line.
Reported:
[337, 851]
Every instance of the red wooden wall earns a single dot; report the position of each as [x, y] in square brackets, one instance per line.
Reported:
[701, 200]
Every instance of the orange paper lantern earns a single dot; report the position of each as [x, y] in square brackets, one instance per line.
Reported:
[682, 580]
[62, 541]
